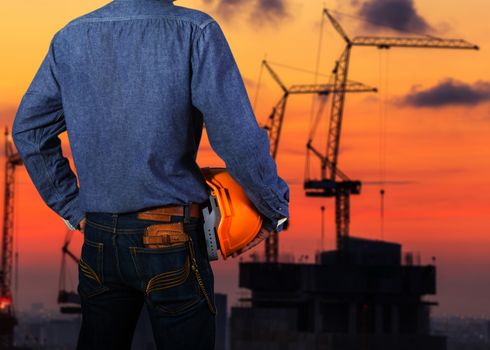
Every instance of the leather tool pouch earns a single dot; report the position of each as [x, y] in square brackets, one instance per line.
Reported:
[165, 235]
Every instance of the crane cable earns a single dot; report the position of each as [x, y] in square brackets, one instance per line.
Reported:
[314, 97]
[259, 82]
[71, 281]
[380, 143]
[383, 111]
[298, 69]
[16, 246]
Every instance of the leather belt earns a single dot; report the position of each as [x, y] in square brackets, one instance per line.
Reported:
[164, 213]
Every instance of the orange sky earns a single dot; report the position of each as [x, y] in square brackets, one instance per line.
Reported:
[436, 158]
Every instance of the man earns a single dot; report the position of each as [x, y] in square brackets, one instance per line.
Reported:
[132, 84]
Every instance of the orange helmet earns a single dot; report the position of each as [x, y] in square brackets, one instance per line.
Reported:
[231, 220]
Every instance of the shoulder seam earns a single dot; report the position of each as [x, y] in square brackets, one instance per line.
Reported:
[202, 26]
[136, 17]
[205, 23]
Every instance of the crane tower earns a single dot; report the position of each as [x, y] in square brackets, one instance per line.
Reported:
[329, 185]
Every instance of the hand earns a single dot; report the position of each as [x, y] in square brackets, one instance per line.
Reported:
[262, 235]
[82, 225]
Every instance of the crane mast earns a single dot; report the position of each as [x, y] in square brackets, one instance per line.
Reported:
[8, 319]
[275, 122]
[328, 185]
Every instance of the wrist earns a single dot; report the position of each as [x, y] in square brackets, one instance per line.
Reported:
[275, 226]
[78, 227]
[268, 224]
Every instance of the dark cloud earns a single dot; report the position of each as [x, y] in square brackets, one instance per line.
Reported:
[260, 11]
[449, 92]
[266, 11]
[228, 8]
[399, 15]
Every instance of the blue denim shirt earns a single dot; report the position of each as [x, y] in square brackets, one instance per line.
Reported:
[132, 83]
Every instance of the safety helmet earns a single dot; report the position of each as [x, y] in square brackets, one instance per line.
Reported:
[231, 220]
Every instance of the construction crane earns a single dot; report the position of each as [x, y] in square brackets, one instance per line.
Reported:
[329, 185]
[8, 320]
[274, 126]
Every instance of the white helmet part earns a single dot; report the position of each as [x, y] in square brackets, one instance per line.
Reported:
[212, 218]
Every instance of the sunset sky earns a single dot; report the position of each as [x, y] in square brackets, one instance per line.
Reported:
[433, 105]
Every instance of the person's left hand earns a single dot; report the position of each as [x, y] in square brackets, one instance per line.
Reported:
[82, 225]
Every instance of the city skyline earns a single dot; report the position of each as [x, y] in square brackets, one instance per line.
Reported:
[437, 191]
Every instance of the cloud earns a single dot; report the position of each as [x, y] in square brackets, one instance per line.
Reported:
[228, 8]
[266, 11]
[399, 15]
[449, 92]
[260, 11]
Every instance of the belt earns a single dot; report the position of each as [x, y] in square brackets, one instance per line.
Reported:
[164, 213]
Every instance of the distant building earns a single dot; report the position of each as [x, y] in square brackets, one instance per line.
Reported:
[62, 334]
[37, 307]
[359, 298]
[487, 329]
[464, 332]
[42, 332]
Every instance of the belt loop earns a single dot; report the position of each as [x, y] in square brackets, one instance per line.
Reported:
[187, 211]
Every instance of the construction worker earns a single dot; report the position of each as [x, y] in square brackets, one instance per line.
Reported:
[132, 83]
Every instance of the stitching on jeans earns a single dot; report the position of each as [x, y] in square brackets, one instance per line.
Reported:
[94, 272]
[116, 256]
[92, 243]
[166, 280]
[133, 257]
[179, 310]
[189, 226]
[111, 229]
[89, 271]
[96, 225]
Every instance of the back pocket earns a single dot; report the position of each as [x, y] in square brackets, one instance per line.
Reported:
[90, 269]
[167, 278]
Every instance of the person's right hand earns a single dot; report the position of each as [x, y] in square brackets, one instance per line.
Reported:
[82, 225]
[262, 235]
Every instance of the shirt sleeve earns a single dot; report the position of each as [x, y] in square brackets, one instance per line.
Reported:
[219, 93]
[38, 122]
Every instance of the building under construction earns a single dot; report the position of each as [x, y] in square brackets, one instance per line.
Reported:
[360, 297]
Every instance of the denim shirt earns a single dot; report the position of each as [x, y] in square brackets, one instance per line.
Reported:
[132, 83]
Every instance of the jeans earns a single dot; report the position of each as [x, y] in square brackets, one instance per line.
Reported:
[117, 274]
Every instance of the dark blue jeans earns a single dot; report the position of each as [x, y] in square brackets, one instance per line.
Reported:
[117, 275]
